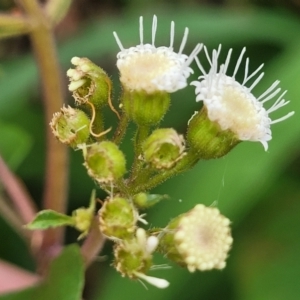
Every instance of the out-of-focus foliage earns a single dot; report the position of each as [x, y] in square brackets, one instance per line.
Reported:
[64, 281]
[258, 191]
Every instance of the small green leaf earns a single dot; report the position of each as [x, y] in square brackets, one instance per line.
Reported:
[50, 218]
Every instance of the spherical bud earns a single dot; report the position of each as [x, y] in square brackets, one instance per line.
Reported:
[163, 148]
[117, 218]
[105, 162]
[83, 219]
[143, 108]
[88, 82]
[71, 126]
[207, 138]
[199, 239]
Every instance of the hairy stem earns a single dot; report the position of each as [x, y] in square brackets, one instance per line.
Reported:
[141, 134]
[56, 157]
[187, 162]
[121, 129]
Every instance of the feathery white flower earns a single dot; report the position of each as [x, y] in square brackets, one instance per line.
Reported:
[203, 238]
[146, 67]
[232, 105]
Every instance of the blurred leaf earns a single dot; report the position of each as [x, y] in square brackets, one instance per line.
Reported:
[57, 9]
[16, 249]
[268, 255]
[15, 144]
[49, 218]
[64, 281]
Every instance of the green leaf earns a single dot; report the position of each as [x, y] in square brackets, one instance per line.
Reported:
[66, 277]
[50, 218]
[64, 281]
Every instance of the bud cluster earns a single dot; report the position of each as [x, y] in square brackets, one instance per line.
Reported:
[201, 238]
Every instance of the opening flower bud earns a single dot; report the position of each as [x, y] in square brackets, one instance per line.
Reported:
[105, 162]
[132, 256]
[88, 82]
[70, 126]
[163, 148]
[117, 218]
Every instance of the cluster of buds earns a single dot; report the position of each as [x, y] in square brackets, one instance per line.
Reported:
[201, 238]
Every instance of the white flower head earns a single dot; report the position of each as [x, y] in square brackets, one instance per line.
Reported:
[203, 238]
[146, 67]
[232, 105]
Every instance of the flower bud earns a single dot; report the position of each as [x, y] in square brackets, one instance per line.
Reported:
[88, 82]
[83, 216]
[143, 200]
[71, 126]
[207, 138]
[143, 108]
[117, 218]
[133, 256]
[163, 148]
[199, 239]
[105, 162]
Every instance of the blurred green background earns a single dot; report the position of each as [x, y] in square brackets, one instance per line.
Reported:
[259, 191]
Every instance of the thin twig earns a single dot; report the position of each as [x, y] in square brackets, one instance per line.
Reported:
[93, 243]
[56, 181]
[13, 278]
[18, 193]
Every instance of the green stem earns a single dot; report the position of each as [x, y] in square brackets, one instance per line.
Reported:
[187, 162]
[56, 180]
[141, 135]
[121, 129]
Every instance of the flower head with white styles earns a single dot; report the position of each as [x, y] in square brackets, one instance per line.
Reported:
[232, 105]
[148, 68]
[203, 238]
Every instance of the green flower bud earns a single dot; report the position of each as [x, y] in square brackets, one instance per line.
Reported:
[134, 256]
[105, 162]
[199, 239]
[117, 218]
[207, 138]
[83, 217]
[163, 148]
[71, 126]
[88, 82]
[143, 200]
[143, 108]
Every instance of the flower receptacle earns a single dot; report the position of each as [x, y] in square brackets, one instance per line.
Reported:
[207, 138]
